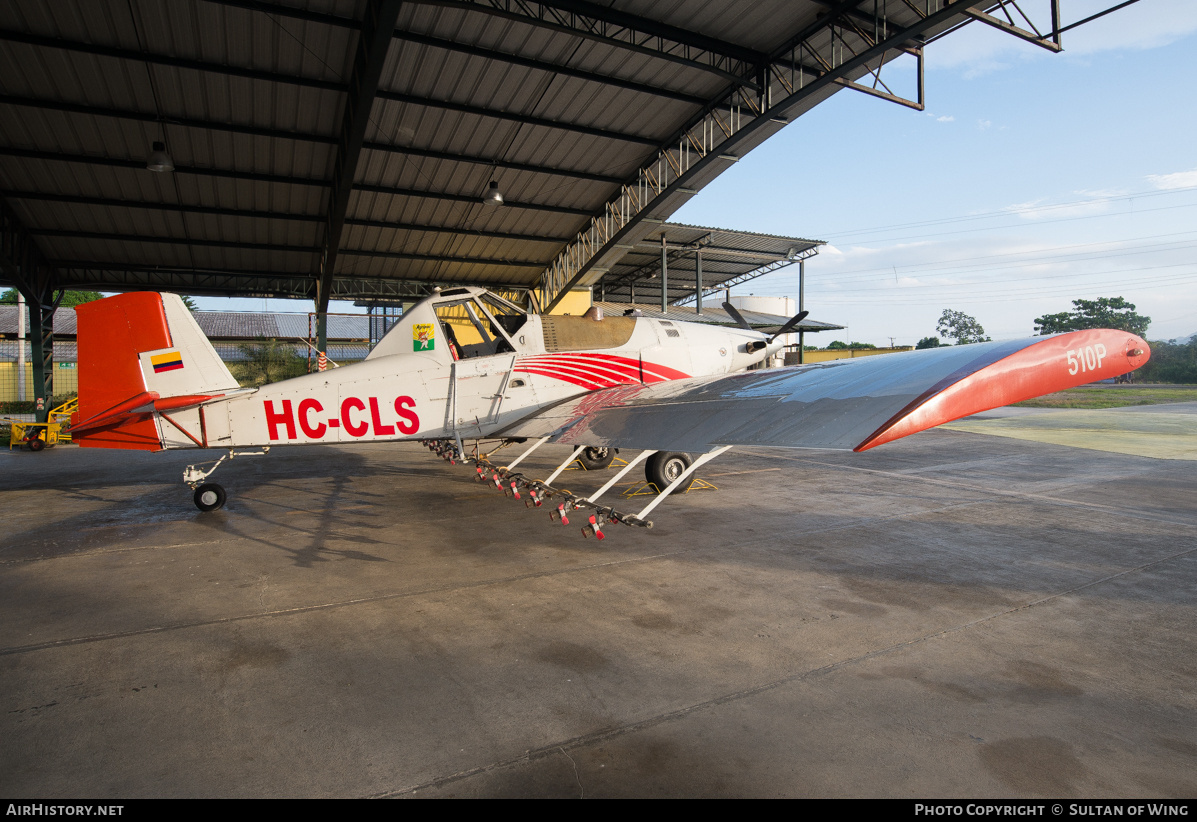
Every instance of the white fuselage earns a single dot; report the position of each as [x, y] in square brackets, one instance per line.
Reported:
[401, 392]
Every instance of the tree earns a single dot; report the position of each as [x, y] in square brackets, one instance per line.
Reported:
[267, 361]
[928, 342]
[1171, 362]
[70, 299]
[1105, 312]
[960, 327]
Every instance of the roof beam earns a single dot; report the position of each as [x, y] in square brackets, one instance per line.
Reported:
[113, 202]
[281, 247]
[293, 12]
[152, 117]
[242, 283]
[166, 60]
[731, 126]
[523, 119]
[494, 162]
[442, 258]
[188, 241]
[216, 211]
[473, 199]
[282, 134]
[551, 68]
[371, 53]
[139, 165]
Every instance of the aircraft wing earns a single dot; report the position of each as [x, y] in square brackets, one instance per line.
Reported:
[843, 404]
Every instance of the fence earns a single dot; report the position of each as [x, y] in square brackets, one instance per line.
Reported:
[66, 373]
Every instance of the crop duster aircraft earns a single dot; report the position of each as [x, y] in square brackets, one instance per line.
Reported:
[150, 380]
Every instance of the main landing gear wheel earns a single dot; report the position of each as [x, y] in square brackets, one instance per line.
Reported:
[594, 459]
[209, 497]
[664, 467]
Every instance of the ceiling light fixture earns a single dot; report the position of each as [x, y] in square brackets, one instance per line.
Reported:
[159, 160]
[493, 196]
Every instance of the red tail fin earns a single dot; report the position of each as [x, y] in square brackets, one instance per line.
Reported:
[111, 334]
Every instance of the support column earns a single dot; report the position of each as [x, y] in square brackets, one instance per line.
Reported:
[664, 277]
[698, 284]
[322, 339]
[20, 347]
[41, 338]
[801, 307]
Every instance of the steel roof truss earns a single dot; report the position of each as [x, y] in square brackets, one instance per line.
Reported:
[719, 133]
[1049, 40]
[626, 31]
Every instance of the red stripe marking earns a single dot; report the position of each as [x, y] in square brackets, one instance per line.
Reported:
[587, 384]
[653, 372]
[598, 377]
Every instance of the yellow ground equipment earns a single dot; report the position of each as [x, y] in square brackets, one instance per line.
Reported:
[62, 416]
[38, 435]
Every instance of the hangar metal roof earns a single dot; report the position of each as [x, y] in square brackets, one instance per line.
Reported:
[716, 316]
[342, 148]
[728, 258]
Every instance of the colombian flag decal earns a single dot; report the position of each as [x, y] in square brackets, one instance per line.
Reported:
[170, 361]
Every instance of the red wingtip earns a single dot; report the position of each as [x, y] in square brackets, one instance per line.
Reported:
[1056, 363]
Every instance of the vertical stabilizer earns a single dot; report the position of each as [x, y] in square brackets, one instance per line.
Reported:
[140, 346]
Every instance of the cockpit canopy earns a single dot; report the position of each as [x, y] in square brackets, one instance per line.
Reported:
[472, 322]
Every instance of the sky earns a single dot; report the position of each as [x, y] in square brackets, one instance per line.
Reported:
[1031, 179]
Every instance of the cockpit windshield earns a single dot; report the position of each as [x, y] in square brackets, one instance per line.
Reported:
[471, 321]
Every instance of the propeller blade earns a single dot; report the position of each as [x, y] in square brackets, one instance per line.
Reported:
[737, 316]
[790, 323]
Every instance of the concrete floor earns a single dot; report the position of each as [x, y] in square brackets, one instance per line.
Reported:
[950, 615]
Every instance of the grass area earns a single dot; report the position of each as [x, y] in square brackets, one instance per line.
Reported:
[1113, 396]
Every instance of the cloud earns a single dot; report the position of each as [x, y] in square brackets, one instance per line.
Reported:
[947, 118]
[982, 125]
[1041, 209]
[1178, 179]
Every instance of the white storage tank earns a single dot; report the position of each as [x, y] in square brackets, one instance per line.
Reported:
[781, 306]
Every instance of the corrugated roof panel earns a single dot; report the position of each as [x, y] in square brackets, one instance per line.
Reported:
[64, 320]
[236, 324]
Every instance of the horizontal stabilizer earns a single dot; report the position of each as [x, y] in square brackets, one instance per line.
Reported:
[852, 404]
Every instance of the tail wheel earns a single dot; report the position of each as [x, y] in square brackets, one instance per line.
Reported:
[664, 467]
[594, 459]
[209, 497]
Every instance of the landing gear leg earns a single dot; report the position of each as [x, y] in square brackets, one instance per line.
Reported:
[208, 496]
